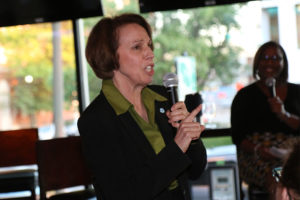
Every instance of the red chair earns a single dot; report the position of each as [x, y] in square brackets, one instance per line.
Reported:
[18, 161]
[61, 165]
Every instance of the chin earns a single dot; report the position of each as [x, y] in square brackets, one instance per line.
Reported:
[149, 80]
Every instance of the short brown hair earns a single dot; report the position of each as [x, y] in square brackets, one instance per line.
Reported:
[102, 44]
[259, 54]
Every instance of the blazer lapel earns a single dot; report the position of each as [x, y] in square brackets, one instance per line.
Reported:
[136, 133]
[161, 118]
[133, 130]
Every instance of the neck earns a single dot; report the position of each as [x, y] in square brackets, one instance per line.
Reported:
[134, 95]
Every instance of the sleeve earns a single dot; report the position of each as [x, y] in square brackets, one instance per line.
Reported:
[292, 102]
[198, 156]
[120, 172]
[239, 118]
[196, 152]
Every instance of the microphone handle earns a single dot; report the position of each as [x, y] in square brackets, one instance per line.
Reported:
[173, 94]
[272, 90]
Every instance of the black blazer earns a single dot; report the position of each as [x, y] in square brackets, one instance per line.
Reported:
[123, 162]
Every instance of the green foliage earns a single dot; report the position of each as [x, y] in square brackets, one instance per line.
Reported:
[31, 97]
[202, 33]
[29, 52]
[70, 87]
[94, 84]
[216, 141]
[110, 8]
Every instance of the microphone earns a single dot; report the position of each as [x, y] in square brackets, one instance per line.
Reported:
[170, 81]
[271, 84]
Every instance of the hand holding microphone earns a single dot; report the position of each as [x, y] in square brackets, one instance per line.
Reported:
[275, 102]
[271, 84]
[180, 118]
[178, 111]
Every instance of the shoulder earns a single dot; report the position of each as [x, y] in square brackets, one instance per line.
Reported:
[293, 92]
[248, 88]
[99, 108]
[244, 96]
[293, 86]
[246, 91]
[94, 105]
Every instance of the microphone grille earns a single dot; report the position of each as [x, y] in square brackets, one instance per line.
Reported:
[270, 81]
[170, 80]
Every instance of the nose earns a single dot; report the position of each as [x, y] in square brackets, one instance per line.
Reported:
[272, 61]
[149, 53]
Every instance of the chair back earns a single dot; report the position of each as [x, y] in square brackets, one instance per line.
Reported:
[17, 147]
[18, 161]
[61, 164]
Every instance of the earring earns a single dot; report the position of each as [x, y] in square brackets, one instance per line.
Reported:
[257, 75]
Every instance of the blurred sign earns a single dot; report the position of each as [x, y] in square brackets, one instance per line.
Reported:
[187, 77]
[222, 184]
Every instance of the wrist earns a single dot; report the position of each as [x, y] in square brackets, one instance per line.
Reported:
[284, 115]
[287, 114]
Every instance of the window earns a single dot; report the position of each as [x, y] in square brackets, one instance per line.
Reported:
[221, 39]
[31, 61]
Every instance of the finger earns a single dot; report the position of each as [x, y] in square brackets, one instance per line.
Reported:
[178, 116]
[177, 112]
[202, 128]
[168, 113]
[178, 105]
[193, 114]
[175, 124]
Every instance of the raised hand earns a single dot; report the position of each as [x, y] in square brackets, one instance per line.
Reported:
[188, 130]
[276, 105]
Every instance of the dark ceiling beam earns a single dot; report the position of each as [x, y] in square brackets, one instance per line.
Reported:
[164, 5]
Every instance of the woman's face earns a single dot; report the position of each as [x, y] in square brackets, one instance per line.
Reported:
[135, 56]
[271, 63]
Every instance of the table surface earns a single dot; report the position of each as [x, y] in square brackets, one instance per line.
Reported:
[18, 169]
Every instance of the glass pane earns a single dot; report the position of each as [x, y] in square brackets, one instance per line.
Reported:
[218, 43]
[112, 7]
[209, 36]
[27, 77]
[93, 81]
[298, 24]
[273, 17]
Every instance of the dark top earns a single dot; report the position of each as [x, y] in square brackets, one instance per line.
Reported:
[123, 162]
[250, 112]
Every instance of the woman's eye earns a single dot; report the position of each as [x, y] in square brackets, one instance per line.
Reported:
[136, 47]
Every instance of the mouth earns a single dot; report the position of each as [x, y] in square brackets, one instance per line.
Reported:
[149, 68]
[269, 69]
